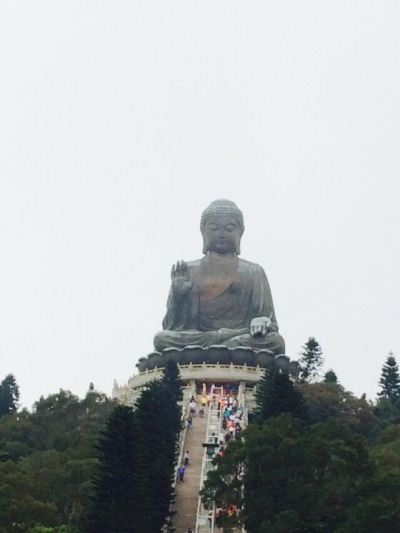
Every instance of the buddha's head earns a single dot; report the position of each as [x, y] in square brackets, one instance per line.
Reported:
[222, 227]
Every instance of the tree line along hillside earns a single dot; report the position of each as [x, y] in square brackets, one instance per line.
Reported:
[89, 465]
[314, 458]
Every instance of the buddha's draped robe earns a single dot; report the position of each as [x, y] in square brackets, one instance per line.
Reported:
[219, 307]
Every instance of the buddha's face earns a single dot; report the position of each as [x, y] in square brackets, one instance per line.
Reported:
[222, 234]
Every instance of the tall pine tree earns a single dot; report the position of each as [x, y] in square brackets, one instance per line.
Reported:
[112, 503]
[390, 380]
[173, 382]
[133, 485]
[311, 361]
[276, 394]
[9, 395]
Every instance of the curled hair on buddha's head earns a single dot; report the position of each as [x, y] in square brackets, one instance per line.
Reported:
[222, 207]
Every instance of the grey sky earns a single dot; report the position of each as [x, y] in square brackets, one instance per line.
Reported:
[121, 121]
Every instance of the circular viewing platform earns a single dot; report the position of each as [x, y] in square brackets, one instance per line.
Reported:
[214, 364]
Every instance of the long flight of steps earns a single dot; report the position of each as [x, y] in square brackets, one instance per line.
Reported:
[187, 498]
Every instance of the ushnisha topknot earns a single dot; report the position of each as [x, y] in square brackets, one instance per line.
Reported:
[225, 208]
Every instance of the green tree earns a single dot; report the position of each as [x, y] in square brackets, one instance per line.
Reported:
[47, 458]
[112, 500]
[44, 529]
[330, 400]
[20, 509]
[390, 380]
[296, 478]
[311, 361]
[132, 488]
[330, 377]
[62, 411]
[276, 394]
[173, 391]
[9, 395]
[155, 457]
[173, 382]
[224, 485]
[378, 505]
[20, 436]
[60, 478]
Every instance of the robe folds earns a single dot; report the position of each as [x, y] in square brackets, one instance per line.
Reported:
[218, 309]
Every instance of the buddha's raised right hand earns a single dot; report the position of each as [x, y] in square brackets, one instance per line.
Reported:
[181, 278]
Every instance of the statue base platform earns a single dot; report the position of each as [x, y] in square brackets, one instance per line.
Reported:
[242, 355]
[216, 364]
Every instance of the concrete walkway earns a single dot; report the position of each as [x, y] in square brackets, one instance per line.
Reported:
[188, 491]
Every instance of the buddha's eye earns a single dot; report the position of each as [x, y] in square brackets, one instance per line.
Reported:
[213, 227]
[230, 227]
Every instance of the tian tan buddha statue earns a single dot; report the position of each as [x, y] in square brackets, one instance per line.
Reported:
[220, 299]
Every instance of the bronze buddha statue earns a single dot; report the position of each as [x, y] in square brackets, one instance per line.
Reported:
[220, 298]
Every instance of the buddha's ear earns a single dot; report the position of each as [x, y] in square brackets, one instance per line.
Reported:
[238, 242]
[205, 245]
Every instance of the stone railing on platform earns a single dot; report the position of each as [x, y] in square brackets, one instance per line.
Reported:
[249, 375]
[127, 394]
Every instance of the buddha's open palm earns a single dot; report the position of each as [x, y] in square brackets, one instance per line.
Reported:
[181, 278]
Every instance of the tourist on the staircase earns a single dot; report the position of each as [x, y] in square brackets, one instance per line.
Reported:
[181, 472]
[192, 406]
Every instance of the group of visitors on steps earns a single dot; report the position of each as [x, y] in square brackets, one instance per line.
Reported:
[231, 424]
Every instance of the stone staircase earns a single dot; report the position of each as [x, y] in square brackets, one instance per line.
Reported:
[188, 509]
[186, 502]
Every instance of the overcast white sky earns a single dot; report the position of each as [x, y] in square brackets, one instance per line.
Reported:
[121, 121]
